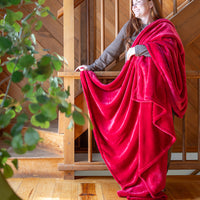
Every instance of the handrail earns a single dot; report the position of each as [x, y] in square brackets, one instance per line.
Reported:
[114, 74]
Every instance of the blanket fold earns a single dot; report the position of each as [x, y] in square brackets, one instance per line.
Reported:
[132, 115]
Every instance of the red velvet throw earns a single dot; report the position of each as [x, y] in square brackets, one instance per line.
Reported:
[132, 115]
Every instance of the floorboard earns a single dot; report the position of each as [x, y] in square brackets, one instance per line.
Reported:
[96, 188]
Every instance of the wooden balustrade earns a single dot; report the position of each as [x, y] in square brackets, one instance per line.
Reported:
[180, 164]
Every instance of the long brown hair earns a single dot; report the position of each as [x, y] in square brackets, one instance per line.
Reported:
[135, 24]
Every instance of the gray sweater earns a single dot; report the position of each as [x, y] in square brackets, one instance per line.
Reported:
[114, 50]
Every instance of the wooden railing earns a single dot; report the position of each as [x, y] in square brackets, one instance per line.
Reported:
[180, 164]
[69, 165]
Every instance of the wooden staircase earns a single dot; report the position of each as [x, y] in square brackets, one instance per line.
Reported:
[58, 144]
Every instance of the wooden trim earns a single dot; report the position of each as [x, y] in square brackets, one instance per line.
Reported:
[184, 138]
[199, 120]
[116, 17]
[184, 165]
[82, 167]
[88, 32]
[130, 5]
[174, 7]
[102, 26]
[89, 142]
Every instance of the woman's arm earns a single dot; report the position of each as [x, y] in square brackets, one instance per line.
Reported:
[111, 52]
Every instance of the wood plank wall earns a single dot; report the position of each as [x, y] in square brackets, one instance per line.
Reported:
[51, 37]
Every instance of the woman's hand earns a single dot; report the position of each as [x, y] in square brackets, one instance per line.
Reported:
[81, 68]
[130, 52]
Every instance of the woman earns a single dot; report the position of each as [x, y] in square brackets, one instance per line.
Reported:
[140, 18]
[132, 115]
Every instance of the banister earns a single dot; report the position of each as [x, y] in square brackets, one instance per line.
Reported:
[114, 74]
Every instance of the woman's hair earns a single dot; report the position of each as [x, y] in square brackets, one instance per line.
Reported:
[135, 24]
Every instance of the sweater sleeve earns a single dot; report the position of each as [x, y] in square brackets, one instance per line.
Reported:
[141, 50]
[111, 52]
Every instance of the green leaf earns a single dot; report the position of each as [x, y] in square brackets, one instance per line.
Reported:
[15, 2]
[34, 107]
[26, 88]
[4, 120]
[17, 142]
[28, 42]
[12, 17]
[4, 155]
[21, 150]
[26, 61]
[49, 110]
[1, 69]
[45, 61]
[56, 64]
[10, 113]
[17, 76]
[7, 102]
[69, 110]
[16, 129]
[5, 44]
[7, 171]
[18, 108]
[10, 66]
[41, 2]
[42, 99]
[31, 148]
[38, 25]
[18, 15]
[22, 118]
[31, 137]
[41, 118]
[15, 163]
[17, 27]
[43, 12]
[38, 124]
[78, 118]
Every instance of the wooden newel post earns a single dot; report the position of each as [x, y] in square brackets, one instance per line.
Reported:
[68, 22]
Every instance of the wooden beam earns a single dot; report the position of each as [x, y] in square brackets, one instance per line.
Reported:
[184, 165]
[69, 55]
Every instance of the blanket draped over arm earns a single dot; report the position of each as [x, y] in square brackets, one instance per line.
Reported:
[132, 115]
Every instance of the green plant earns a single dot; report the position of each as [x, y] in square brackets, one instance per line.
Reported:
[17, 53]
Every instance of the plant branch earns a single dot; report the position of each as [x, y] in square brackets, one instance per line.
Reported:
[5, 79]
[9, 84]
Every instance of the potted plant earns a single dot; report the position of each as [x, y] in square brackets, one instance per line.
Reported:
[18, 57]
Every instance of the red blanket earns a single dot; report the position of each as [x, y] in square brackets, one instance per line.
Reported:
[132, 116]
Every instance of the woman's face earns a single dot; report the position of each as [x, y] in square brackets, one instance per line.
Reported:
[142, 8]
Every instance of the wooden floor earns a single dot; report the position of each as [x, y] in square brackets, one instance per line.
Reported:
[96, 188]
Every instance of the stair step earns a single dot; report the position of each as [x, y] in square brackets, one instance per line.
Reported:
[51, 141]
[37, 163]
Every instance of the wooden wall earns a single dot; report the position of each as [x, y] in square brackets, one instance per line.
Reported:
[51, 37]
